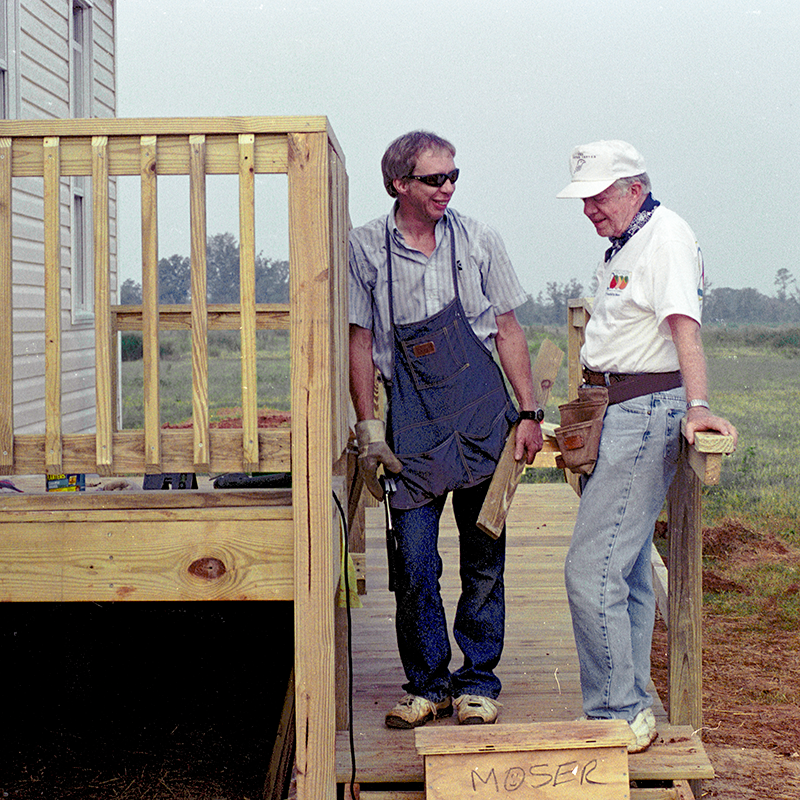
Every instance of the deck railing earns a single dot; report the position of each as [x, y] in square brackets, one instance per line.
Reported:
[302, 148]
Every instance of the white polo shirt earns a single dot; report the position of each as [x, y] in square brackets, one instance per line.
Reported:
[658, 272]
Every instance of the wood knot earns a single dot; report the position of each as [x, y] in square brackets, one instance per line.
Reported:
[207, 568]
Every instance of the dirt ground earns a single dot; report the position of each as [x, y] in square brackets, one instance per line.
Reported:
[751, 678]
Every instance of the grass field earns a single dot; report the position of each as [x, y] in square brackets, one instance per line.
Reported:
[754, 380]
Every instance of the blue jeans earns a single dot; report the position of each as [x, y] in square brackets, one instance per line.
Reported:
[608, 572]
[421, 625]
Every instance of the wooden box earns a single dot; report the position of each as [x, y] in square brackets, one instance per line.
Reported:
[568, 760]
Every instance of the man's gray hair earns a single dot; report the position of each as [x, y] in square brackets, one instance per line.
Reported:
[401, 155]
[624, 184]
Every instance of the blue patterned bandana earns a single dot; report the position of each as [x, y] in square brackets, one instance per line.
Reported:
[641, 219]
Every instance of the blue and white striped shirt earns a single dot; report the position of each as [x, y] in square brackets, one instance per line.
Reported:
[487, 282]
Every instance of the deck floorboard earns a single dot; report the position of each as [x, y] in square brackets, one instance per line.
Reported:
[539, 668]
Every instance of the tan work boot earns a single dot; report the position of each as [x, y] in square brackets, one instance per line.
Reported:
[413, 711]
[473, 709]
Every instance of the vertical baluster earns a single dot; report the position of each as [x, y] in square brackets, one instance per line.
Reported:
[197, 193]
[247, 283]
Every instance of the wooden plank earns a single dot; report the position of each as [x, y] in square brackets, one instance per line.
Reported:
[247, 284]
[164, 126]
[598, 774]
[705, 456]
[342, 408]
[104, 368]
[506, 476]
[685, 595]
[515, 738]
[270, 155]
[312, 460]
[281, 760]
[79, 451]
[221, 317]
[6, 321]
[98, 507]
[660, 583]
[199, 280]
[140, 560]
[52, 303]
[150, 316]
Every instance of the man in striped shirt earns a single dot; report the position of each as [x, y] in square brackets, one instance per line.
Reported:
[432, 299]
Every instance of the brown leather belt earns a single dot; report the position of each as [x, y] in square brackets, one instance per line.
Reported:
[624, 386]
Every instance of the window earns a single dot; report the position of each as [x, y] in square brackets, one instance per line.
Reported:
[7, 56]
[81, 106]
[82, 252]
[81, 39]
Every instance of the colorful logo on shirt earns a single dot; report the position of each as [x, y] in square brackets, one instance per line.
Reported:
[618, 281]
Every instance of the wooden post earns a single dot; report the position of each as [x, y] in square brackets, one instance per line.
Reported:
[685, 632]
[312, 464]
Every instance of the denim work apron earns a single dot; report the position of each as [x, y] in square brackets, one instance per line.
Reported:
[449, 411]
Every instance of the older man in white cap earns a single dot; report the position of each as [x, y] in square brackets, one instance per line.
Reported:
[643, 343]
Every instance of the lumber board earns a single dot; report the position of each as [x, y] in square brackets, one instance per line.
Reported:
[506, 476]
[281, 761]
[221, 317]
[104, 366]
[685, 595]
[199, 301]
[312, 460]
[52, 303]
[660, 583]
[206, 557]
[705, 455]
[270, 155]
[247, 300]
[79, 452]
[150, 342]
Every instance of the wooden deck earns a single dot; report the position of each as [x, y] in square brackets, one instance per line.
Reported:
[539, 669]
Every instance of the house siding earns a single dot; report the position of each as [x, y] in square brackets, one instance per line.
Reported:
[44, 86]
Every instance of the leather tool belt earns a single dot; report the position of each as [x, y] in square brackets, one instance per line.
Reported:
[624, 386]
[578, 437]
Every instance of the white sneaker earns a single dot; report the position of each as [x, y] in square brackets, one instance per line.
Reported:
[643, 730]
[413, 711]
[474, 709]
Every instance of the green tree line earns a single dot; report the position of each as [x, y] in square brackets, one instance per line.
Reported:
[723, 306]
[222, 259]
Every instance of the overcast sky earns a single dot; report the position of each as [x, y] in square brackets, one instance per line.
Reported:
[707, 90]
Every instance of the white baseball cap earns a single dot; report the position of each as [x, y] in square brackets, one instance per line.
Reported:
[594, 167]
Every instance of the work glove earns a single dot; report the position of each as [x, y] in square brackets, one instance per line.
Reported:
[372, 452]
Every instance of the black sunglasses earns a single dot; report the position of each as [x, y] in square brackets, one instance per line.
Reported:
[439, 179]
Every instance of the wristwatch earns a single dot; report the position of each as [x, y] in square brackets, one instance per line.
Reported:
[537, 415]
[696, 403]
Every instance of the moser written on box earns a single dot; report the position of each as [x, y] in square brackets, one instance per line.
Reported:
[574, 761]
